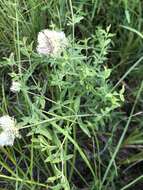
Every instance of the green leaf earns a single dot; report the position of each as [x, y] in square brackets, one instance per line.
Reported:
[54, 178]
[43, 131]
[84, 128]
[127, 13]
[121, 93]
[56, 158]
[107, 73]
[134, 158]
[77, 104]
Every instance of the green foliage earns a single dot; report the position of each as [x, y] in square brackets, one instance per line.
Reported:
[78, 129]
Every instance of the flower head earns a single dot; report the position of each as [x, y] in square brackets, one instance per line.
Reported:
[51, 42]
[15, 87]
[9, 130]
[6, 139]
[6, 122]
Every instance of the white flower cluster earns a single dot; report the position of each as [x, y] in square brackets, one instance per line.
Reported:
[15, 87]
[9, 130]
[51, 42]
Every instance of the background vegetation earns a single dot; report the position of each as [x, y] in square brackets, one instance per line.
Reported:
[80, 114]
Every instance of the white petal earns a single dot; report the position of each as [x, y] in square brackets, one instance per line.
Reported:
[7, 122]
[43, 50]
[6, 139]
[51, 42]
[15, 87]
[42, 38]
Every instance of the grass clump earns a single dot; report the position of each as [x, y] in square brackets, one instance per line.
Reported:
[74, 111]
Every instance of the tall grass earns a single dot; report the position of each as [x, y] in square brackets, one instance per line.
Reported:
[80, 115]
